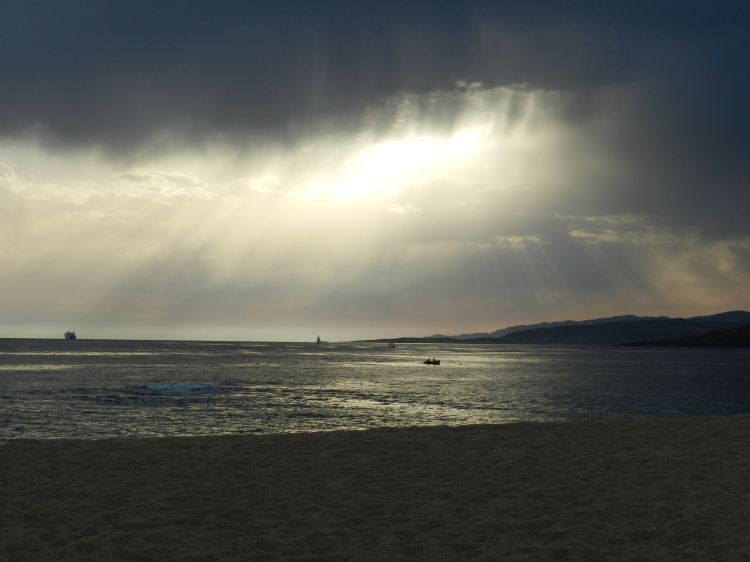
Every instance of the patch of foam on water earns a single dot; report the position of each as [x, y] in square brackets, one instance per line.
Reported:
[175, 389]
[40, 367]
[78, 353]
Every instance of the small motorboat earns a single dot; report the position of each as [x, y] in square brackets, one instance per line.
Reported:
[392, 345]
[432, 361]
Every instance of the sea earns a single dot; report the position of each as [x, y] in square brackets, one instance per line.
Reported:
[93, 389]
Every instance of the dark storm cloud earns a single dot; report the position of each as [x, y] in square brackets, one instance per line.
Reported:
[659, 87]
[114, 73]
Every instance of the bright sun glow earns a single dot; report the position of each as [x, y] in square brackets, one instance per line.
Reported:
[387, 168]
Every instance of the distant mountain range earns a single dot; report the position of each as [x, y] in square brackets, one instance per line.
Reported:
[524, 327]
[615, 330]
[615, 333]
[732, 337]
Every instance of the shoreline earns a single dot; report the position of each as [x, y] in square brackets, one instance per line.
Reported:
[637, 488]
[408, 428]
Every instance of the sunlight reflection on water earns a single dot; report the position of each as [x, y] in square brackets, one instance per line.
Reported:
[105, 389]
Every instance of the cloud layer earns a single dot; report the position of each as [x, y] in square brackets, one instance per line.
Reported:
[409, 165]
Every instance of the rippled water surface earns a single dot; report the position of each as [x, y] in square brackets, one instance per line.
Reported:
[93, 389]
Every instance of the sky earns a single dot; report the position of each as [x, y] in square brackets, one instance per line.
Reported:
[278, 170]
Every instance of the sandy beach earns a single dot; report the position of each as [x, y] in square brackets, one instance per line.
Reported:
[639, 489]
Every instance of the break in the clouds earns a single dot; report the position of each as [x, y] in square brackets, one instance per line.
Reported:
[269, 169]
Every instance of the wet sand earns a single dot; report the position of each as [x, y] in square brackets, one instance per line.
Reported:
[641, 489]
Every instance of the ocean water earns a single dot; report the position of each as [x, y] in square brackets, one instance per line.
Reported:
[53, 389]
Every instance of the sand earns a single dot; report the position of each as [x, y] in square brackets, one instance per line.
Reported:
[641, 489]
